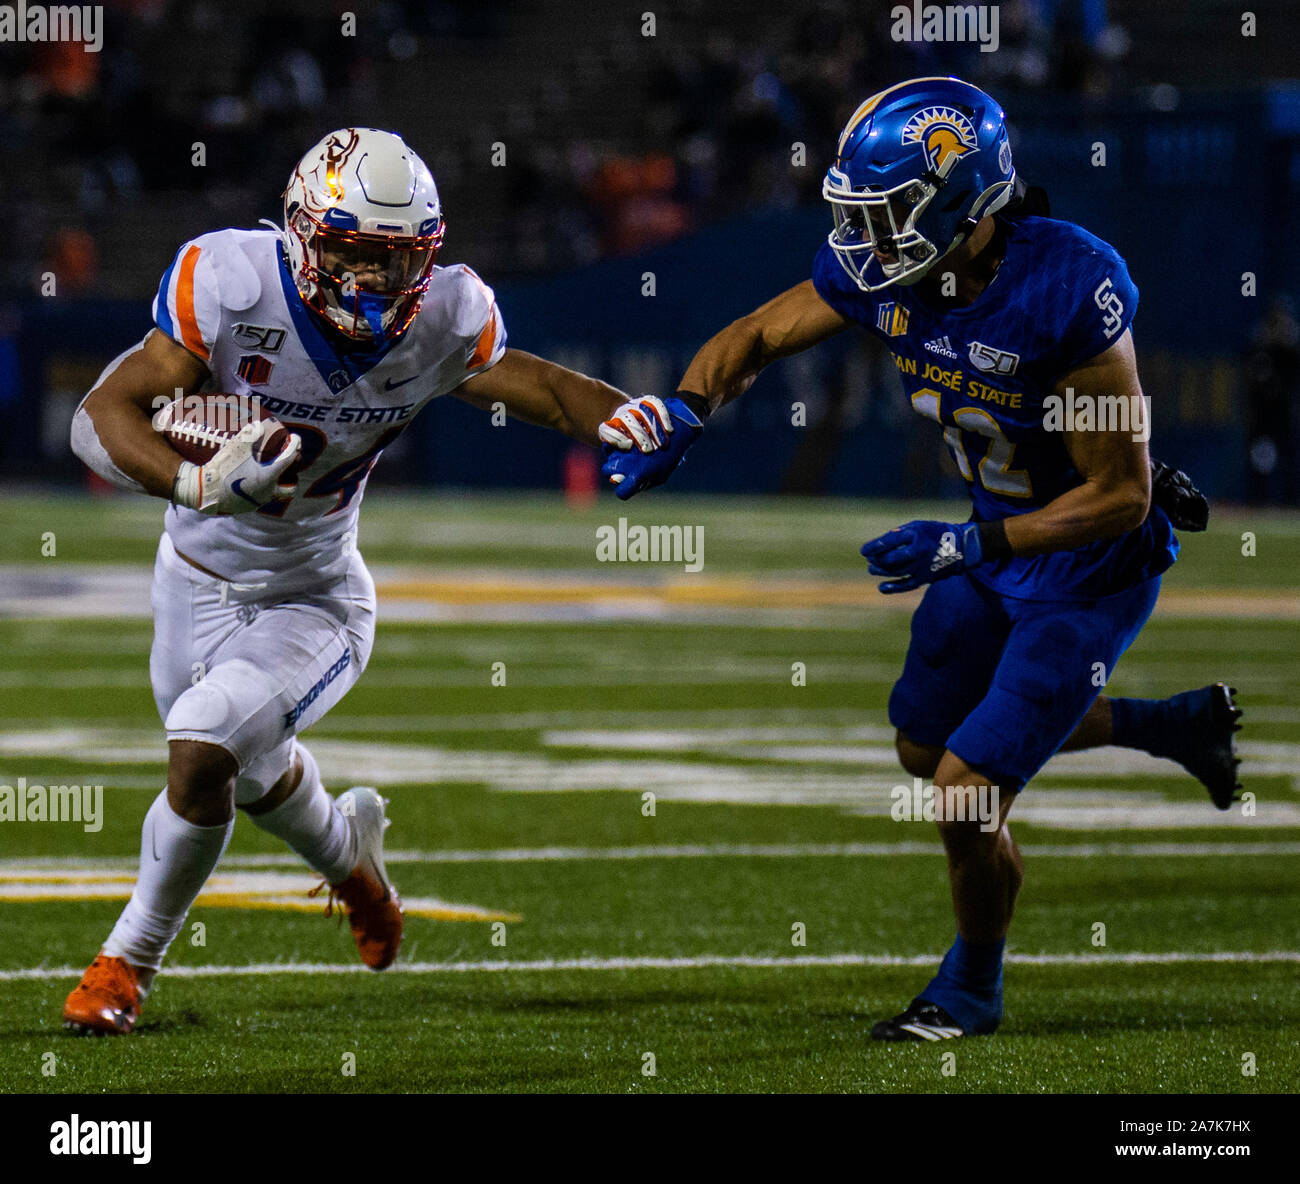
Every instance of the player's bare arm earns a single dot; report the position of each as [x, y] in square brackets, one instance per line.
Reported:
[1115, 496]
[544, 393]
[647, 439]
[118, 433]
[728, 362]
[122, 405]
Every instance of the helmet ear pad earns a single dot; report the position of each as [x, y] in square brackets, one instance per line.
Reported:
[963, 232]
[988, 202]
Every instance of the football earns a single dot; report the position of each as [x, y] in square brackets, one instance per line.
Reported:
[199, 424]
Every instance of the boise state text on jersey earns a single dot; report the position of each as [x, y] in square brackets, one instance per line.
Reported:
[230, 299]
[982, 371]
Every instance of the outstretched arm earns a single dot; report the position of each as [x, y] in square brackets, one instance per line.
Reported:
[540, 392]
[648, 439]
[729, 362]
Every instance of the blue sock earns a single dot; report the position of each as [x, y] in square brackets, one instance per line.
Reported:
[1148, 724]
[969, 984]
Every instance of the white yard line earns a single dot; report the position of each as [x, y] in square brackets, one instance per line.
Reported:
[558, 854]
[822, 850]
[857, 776]
[697, 962]
[807, 597]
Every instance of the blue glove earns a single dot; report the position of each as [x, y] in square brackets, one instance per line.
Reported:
[922, 552]
[644, 441]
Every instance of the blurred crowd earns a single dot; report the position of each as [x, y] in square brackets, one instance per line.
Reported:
[705, 124]
[1272, 398]
[618, 141]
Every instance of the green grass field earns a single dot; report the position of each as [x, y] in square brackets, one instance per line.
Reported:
[627, 934]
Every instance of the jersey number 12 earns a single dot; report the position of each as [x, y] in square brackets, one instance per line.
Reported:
[995, 471]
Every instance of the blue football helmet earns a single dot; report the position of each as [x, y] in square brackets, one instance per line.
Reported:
[918, 166]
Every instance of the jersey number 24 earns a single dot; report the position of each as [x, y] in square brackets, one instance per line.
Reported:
[342, 481]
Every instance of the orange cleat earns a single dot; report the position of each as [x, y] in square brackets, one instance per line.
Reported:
[106, 1001]
[373, 909]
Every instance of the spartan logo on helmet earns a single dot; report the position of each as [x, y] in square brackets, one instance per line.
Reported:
[941, 132]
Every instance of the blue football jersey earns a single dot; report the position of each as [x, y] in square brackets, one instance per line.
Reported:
[983, 371]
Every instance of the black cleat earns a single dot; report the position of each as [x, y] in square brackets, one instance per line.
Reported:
[1212, 748]
[921, 1021]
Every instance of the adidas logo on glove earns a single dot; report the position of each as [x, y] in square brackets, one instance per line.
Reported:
[947, 552]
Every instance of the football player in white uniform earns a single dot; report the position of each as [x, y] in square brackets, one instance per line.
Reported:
[264, 610]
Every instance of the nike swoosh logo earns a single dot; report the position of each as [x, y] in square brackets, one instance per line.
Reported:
[390, 385]
[235, 489]
[388, 892]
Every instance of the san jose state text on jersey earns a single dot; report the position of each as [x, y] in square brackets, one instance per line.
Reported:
[1060, 297]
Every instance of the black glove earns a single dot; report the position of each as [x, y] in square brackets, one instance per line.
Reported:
[1172, 490]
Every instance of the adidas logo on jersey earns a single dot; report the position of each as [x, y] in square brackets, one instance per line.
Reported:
[941, 345]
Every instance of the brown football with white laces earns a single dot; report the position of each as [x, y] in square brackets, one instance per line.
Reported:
[197, 425]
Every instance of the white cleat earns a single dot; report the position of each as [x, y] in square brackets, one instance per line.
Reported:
[373, 909]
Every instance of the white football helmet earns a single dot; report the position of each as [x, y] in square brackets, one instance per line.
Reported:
[362, 227]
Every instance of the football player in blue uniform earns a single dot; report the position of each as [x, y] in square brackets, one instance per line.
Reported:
[1011, 331]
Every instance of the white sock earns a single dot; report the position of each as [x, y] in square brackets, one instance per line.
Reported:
[310, 821]
[176, 858]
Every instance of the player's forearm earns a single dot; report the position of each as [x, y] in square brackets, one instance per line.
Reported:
[727, 364]
[1086, 514]
[113, 429]
[126, 434]
[583, 403]
[540, 392]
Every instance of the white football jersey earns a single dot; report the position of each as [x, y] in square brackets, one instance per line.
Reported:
[230, 300]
